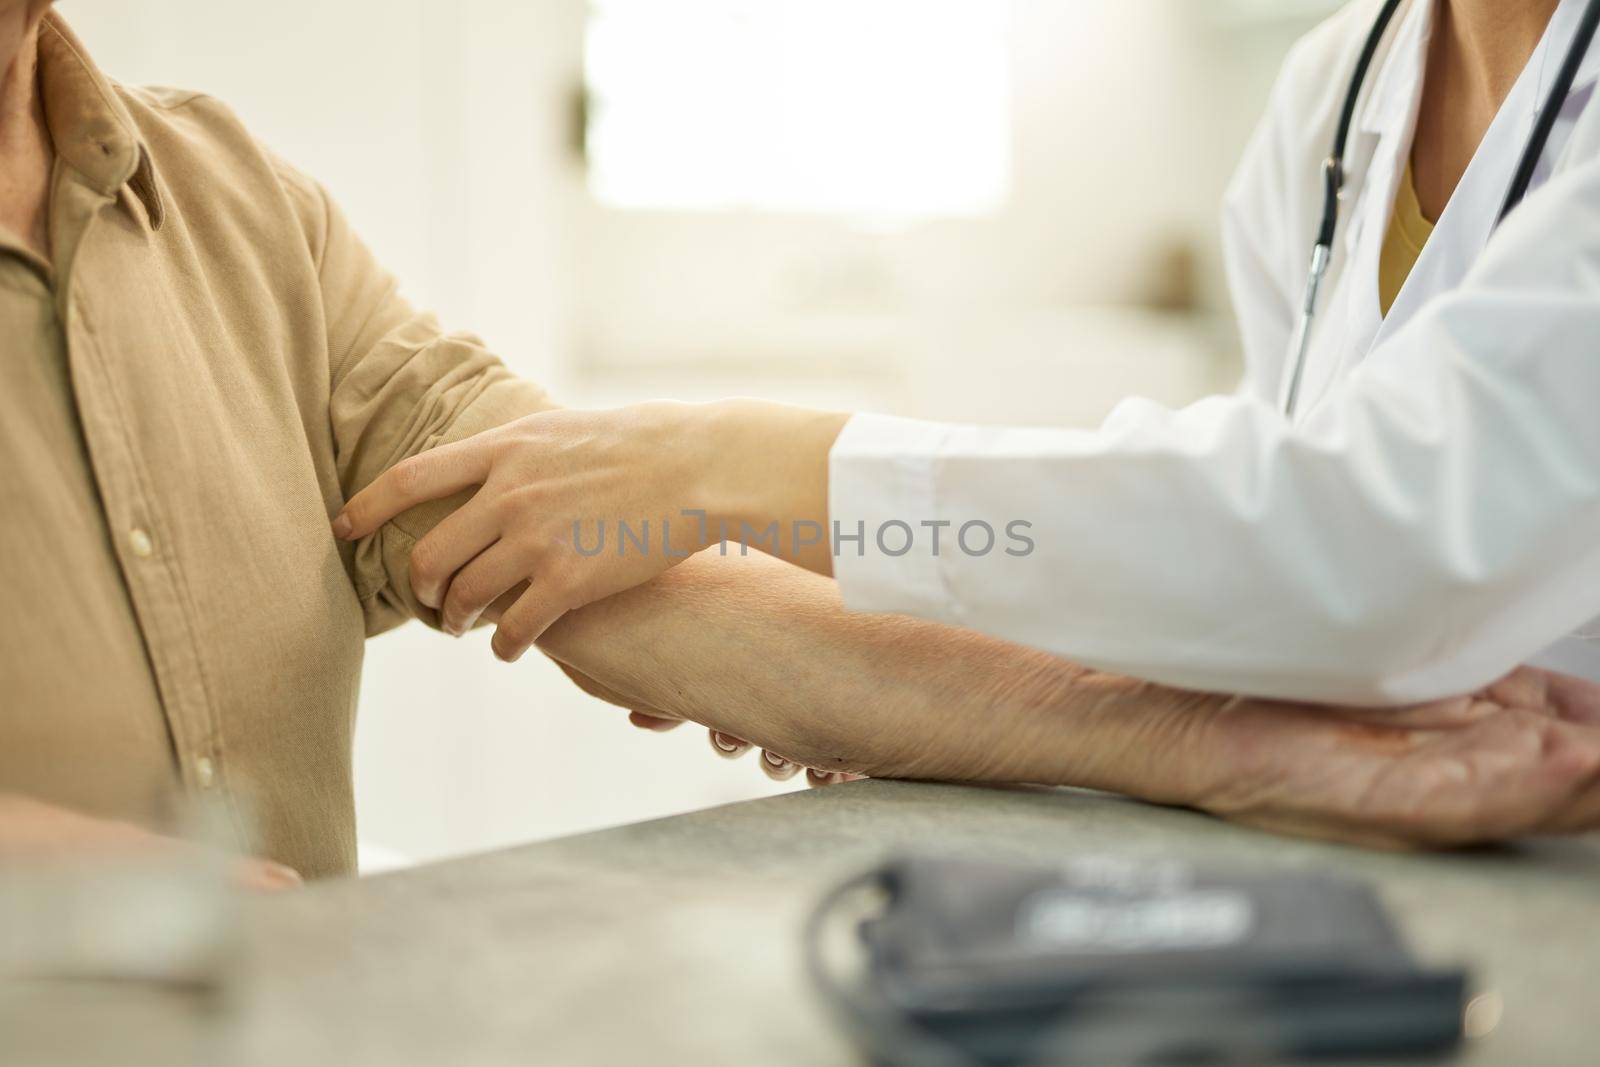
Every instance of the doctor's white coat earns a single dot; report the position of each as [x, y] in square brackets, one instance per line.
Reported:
[1431, 518]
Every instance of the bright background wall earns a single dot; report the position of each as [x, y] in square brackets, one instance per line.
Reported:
[448, 133]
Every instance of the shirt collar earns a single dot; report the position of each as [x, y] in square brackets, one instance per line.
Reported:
[89, 124]
[1398, 78]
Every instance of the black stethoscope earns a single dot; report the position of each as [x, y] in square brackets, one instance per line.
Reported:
[1333, 169]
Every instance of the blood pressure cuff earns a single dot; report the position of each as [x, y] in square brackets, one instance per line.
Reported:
[1106, 961]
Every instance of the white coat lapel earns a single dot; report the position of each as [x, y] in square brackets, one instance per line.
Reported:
[1468, 220]
[1376, 155]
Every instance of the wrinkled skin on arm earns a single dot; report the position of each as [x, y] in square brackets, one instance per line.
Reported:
[760, 650]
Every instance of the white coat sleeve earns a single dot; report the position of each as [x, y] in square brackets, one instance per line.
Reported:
[1431, 523]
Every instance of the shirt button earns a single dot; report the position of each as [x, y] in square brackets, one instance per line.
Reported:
[139, 541]
[205, 773]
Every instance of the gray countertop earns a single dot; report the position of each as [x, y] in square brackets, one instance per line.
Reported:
[676, 941]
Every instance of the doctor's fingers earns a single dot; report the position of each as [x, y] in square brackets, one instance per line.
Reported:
[726, 745]
[478, 584]
[1579, 812]
[1438, 715]
[781, 769]
[525, 622]
[816, 779]
[653, 723]
[563, 579]
[451, 545]
[777, 767]
[773, 765]
[1526, 689]
[439, 472]
[1575, 699]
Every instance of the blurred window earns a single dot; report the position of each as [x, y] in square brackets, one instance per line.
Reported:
[895, 108]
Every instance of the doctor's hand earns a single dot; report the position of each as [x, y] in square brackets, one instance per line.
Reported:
[585, 504]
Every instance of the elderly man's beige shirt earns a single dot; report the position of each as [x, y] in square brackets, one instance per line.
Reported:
[211, 363]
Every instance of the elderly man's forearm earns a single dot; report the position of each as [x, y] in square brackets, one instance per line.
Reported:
[767, 652]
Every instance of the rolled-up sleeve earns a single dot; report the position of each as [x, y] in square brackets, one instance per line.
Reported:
[398, 385]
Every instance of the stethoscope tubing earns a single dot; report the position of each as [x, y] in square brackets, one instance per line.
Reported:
[1334, 174]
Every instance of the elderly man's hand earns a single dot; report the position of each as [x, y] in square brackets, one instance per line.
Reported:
[32, 832]
[1522, 757]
